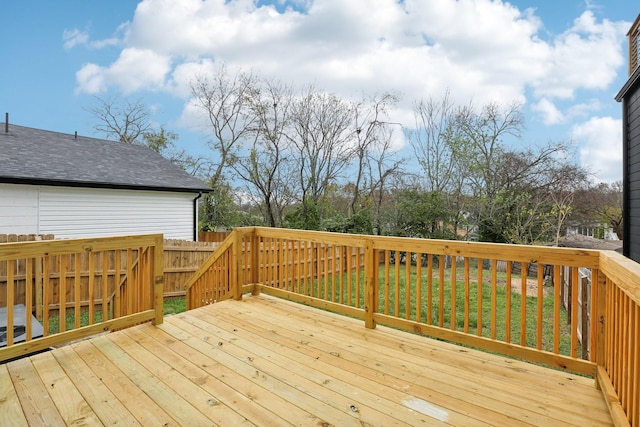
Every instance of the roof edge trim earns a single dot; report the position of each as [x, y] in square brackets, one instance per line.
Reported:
[633, 80]
[101, 185]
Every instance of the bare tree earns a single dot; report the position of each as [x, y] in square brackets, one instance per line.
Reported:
[320, 138]
[130, 123]
[601, 203]
[266, 168]
[162, 141]
[370, 133]
[536, 189]
[121, 119]
[485, 131]
[438, 143]
[382, 166]
[224, 98]
[611, 210]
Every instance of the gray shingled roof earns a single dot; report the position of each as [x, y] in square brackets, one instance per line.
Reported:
[40, 157]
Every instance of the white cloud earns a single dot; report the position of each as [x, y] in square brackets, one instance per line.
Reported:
[587, 56]
[551, 115]
[179, 84]
[139, 68]
[74, 37]
[600, 139]
[584, 109]
[99, 44]
[483, 49]
[135, 69]
[91, 79]
[480, 51]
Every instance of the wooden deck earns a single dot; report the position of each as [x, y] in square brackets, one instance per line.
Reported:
[265, 361]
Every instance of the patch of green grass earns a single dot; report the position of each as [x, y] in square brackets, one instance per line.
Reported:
[393, 300]
[174, 305]
[70, 320]
[171, 306]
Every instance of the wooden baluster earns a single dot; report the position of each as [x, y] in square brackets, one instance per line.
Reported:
[539, 307]
[77, 277]
[557, 304]
[11, 265]
[430, 289]
[574, 311]
[407, 286]
[387, 297]
[467, 294]
[480, 297]
[523, 303]
[507, 332]
[454, 296]
[441, 262]
[418, 287]
[494, 296]
[62, 311]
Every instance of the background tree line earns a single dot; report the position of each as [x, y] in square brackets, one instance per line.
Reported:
[282, 156]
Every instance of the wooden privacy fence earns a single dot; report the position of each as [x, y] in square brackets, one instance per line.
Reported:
[181, 259]
[77, 288]
[213, 236]
[466, 299]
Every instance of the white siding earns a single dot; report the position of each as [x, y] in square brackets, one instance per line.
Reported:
[18, 209]
[85, 212]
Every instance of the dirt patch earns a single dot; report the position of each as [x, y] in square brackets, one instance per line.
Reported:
[516, 285]
[532, 287]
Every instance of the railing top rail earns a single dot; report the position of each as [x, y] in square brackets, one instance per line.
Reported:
[10, 251]
[529, 254]
[624, 272]
[355, 240]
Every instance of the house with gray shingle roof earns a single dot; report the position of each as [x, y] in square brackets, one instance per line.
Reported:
[74, 186]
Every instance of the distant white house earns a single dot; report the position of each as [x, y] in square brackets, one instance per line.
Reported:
[72, 186]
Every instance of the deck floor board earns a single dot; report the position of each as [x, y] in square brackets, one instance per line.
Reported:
[504, 380]
[269, 362]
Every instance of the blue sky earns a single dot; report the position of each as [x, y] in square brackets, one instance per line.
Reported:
[564, 60]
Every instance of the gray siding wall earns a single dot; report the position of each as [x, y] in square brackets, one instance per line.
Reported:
[633, 169]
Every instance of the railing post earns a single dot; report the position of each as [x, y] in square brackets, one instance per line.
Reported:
[371, 286]
[255, 259]
[158, 279]
[39, 266]
[237, 274]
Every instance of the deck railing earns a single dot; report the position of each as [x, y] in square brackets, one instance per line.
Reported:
[65, 290]
[521, 301]
[618, 347]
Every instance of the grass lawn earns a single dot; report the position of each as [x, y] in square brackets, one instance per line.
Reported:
[505, 323]
[171, 306]
[393, 299]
